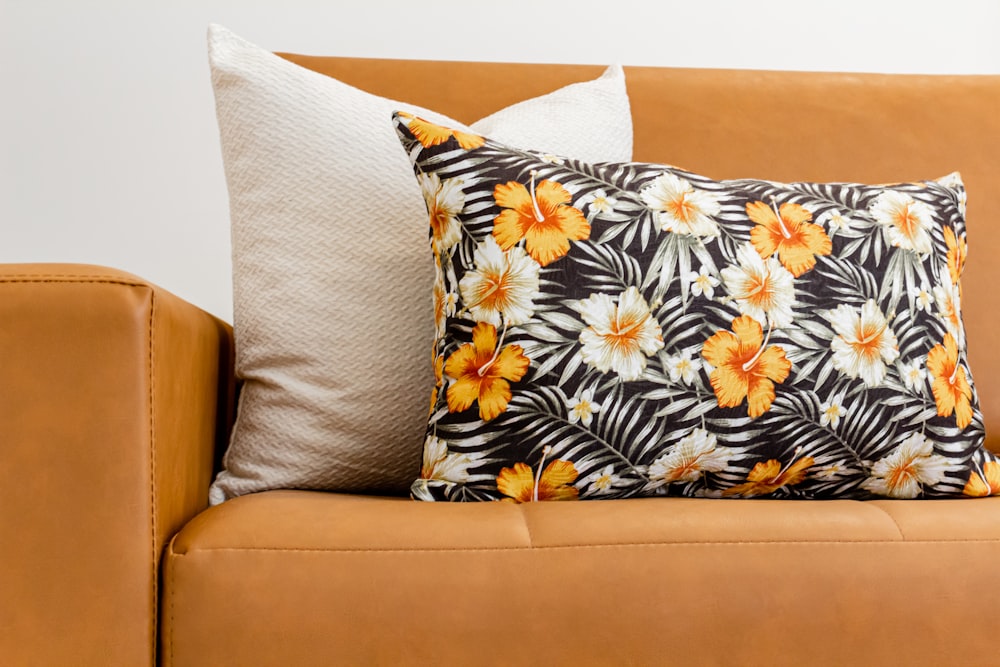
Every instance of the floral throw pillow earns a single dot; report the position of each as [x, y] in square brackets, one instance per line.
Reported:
[625, 329]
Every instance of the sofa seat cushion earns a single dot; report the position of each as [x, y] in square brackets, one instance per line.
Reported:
[298, 577]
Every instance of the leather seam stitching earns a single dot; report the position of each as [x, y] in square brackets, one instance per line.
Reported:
[191, 552]
[893, 519]
[527, 527]
[152, 476]
[56, 279]
[172, 593]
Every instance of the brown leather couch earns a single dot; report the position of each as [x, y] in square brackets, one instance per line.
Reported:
[116, 397]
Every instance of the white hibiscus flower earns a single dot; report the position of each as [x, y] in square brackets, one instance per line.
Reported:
[681, 208]
[503, 284]
[903, 473]
[906, 221]
[694, 455]
[620, 335]
[762, 289]
[445, 201]
[447, 466]
[864, 343]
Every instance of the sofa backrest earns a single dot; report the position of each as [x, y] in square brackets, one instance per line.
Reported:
[783, 126]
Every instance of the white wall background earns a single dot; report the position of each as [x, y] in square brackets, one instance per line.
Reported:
[108, 146]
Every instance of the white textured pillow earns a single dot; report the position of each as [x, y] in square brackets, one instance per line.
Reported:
[331, 267]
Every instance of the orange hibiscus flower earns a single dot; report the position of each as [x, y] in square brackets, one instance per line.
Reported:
[482, 373]
[430, 134]
[555, 482]
[541, 216]
[787, 231]
[952, 392]
[957, 251]
[744, 366]
[766, 478]
[986, 484]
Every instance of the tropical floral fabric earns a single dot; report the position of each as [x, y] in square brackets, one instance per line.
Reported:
[613, 330]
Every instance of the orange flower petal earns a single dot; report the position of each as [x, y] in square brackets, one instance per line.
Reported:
[797, 471]
[764, 237]
[551, 194]
[558, 473]
[957, 250]
[494, 395]
[765, 471]
[511, 363]
[760, 395]
[517, 482]
[484, 337]
[462, 394]
[730, 386]
[431, 134]
[461, 362]
[467, 140]
[773, 364]
[992, 471]
[427, 133]
[750, 333]
[762, 214]
[508, 229]
[512, 195]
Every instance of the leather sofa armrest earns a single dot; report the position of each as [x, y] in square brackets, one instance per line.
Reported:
[114, 397]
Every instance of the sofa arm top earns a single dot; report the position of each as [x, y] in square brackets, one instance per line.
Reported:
[114, 395]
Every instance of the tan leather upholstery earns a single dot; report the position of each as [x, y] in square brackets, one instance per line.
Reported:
[303, 578]
[108, 421]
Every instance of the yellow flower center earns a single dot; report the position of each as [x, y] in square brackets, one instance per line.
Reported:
[682, 209]
[906, 222]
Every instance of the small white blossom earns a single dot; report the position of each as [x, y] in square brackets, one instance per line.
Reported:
[583, 407]
[835, 221]
[923, 297]
[602, 481]
[702, 283]
[683, 368]
[599, 202]
[913, 374]
[832, 470]
[833, 410]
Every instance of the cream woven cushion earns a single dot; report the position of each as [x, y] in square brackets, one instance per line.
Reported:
[331, 271]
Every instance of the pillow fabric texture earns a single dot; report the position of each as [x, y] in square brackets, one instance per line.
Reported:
[623, 329]
[330, 274]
